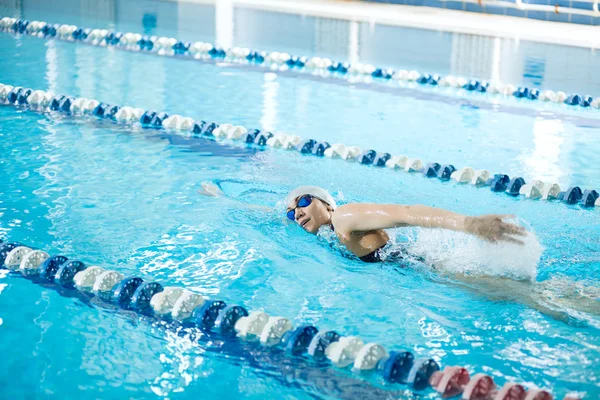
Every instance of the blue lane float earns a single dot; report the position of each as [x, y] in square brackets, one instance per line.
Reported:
[431, 170]
[67, 271]
[572, 196]
[37, 100]
[476, 86]
[49, 267]
[397, 367]
[320, 342]
[589, 198]
[499, 183]
[164, 46]
[445, 172]
[124, 290]
[514, 186]
[233, 324]
[226, 320]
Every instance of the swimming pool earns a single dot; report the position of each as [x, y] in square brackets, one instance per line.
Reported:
[127, 200]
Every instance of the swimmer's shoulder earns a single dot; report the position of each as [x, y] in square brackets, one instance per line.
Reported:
[339, 221]
[344, 213]
[345, 216]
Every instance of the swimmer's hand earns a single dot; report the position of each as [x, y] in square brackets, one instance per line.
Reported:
[210, 189]
[493, 229]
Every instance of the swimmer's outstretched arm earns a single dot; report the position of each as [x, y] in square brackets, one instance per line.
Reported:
[363, 217]
[211, 190]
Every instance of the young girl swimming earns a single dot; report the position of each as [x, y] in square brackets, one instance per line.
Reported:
[360, 227]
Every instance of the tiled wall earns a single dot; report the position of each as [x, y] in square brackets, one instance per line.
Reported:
[567, 10]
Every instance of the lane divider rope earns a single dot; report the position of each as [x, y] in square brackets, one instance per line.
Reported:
[235, 322]
[165, 46]
[41, 101]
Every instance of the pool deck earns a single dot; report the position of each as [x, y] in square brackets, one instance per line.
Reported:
[429, 18]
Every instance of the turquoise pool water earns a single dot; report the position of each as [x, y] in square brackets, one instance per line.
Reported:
[127, 200]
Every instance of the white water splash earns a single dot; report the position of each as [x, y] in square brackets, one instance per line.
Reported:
[466, 254]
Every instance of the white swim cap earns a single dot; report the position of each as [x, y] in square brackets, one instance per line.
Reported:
[314, 191]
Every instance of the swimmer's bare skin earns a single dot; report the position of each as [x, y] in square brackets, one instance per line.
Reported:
[355, 223]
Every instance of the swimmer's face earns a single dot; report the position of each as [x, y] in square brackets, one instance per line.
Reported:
[313, 216]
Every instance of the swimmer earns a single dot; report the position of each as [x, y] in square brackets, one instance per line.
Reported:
[360, 227]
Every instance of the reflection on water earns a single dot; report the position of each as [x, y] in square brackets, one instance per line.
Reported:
[548, 146]
[544, 66]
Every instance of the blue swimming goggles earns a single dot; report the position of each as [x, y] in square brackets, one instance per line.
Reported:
[303, 201]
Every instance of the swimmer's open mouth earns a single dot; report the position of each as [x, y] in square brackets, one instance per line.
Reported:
[303, 224]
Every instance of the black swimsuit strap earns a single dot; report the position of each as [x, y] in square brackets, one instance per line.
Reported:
[372, 257]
